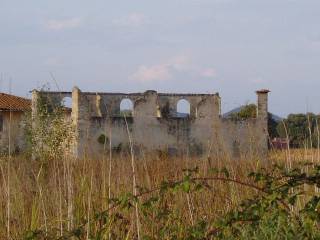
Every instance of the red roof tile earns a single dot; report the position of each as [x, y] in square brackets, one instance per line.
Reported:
[14, 103]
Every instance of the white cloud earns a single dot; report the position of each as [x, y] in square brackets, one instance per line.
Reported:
[163, 71]
[63, 24]
[152, 73]
[180, 63]
[166, 70]
[132, 20]
[208, 72]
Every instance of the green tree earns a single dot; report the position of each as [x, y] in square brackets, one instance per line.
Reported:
[301, 129]
[272, 126]
[250, 111]
[49, 133]
[246, 112]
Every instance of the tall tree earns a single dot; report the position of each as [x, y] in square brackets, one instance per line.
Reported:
[299, 128]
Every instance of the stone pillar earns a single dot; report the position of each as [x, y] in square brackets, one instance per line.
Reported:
[34, 103]
[218, 101]
[99, 109]
[145, 123]
[262, 117]
[75, 117]
[262, 109]
[147, 107]
[217, 106]
[80, 117]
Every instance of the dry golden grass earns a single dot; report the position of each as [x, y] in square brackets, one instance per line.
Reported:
[62, 193]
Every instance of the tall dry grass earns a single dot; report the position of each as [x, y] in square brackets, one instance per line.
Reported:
[63, 193]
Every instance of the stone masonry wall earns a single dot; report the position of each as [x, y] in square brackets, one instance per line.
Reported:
[155, 126]
[13, 127]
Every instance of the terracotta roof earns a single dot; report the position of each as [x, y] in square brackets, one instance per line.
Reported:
[14, 103]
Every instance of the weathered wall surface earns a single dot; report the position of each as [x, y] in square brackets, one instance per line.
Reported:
[13, 127]
[155, 125]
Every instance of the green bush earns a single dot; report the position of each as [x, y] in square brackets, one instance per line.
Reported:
[103, 139]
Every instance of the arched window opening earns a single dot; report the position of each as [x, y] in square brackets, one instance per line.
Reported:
[183, 108]
[126, 107]
[66, 102]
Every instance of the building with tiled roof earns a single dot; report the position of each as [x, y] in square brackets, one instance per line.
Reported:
[12, 112]
[14, 103]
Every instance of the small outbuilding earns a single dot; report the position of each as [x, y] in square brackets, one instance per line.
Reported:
[12, 112]
[280, 143]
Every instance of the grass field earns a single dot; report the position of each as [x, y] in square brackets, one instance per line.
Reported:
[44, 199]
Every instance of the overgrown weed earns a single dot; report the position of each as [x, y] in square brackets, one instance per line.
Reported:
[177, 199]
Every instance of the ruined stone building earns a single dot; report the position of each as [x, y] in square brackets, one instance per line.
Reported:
[155, 124]
[12, 109]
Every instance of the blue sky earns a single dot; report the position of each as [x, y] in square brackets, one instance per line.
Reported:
[233, 47]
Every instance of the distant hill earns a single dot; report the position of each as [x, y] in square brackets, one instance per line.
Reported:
[238, 109]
